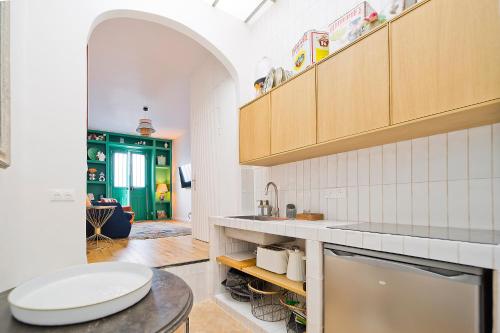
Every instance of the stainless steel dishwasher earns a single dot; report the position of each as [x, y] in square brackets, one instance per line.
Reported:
[375, 292]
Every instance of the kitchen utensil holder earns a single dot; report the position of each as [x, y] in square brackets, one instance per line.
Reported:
[265, 301]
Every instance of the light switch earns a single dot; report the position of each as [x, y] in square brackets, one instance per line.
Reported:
[62, 195]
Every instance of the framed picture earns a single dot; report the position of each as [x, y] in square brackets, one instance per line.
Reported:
[4, 84]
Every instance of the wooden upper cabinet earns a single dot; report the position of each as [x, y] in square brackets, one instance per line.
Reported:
[353, 88]
[445, 54]
[293, 113]
[255, 130]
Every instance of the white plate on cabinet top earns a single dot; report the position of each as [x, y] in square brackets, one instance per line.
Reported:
[80, 293]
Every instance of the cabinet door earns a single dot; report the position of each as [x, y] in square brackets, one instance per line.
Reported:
[445, 55]
[353, 89]
[255, 130]
[293, 113]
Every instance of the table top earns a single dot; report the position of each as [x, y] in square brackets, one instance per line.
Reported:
[100, 207]
[164, 309]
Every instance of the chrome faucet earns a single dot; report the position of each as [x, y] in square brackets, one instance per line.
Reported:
[275, 211]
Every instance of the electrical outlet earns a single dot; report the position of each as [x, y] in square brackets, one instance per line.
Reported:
[62, 195]
[336, 193]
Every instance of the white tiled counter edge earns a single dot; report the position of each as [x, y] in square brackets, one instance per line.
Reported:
[317, 232]
[473, 254]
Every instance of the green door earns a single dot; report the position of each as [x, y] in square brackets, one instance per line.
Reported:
[138, 184]
[130, 180]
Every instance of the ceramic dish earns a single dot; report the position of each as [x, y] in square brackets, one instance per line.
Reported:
[80, 293]
[92, 153]
[268, 84]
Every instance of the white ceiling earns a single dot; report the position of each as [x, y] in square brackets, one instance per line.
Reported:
[133, 63]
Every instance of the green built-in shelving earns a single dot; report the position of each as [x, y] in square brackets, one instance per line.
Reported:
[156, 149]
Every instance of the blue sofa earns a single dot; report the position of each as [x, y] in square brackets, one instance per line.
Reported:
[118, 225]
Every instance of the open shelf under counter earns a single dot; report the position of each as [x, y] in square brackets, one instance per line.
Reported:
[249, 267]
[244, 312]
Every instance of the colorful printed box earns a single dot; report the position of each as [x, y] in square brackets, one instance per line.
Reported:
[310, 49]
[348, 27]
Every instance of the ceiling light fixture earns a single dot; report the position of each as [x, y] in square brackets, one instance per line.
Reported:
[145, 127]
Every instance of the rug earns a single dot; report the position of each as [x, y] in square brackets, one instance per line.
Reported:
[152, 230]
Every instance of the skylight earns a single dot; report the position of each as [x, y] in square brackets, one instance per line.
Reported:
[245, 10]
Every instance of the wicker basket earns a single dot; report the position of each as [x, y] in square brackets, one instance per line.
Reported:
[296, 312]
[265, 301]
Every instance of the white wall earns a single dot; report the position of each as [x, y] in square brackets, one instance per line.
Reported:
[214, 146]
[281, 27]
[181, 197]
[49, 104]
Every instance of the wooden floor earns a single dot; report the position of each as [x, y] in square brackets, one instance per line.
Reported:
[158, 252]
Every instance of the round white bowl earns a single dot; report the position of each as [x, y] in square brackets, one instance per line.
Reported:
[80, 293]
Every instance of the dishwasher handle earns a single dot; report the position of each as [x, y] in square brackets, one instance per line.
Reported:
[439, 273]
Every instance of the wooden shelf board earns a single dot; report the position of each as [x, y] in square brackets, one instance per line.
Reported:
[239, 265]
[95, 182]
[96, 162]
[102, 142]
[277, 279]
[248, 266]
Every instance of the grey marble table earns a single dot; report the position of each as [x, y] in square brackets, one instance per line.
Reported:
[164, 309]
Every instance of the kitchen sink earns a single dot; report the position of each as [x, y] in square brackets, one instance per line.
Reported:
[258, 218]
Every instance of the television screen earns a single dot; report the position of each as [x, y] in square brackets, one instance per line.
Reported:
[185, 175]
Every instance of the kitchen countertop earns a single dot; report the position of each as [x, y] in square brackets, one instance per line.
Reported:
[462, 252]
[164, 309]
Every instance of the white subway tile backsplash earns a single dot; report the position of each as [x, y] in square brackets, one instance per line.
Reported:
[332, 209]
[458, 210]
[420, 204]
[299, 171]
[315, 174]
[300, 201]
[341, 170]
[323, 172]
[307, 175]
[438, 207]
[342, 209]
[364, 203]
[420, 160]
[352, 168]
[389, 163]
[437, 157]
[457, 155]
[404, 202]
[315, 205]
[363, 167]
[403, 160]
[352, 203]
[450, 179]
[376, 165]
[480, 152]
[496, 203]
[480, 204]
[376, 214]
[332, 171]
[389, 203]
[496, 150]
[307, 200]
